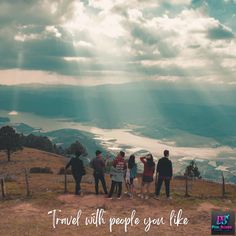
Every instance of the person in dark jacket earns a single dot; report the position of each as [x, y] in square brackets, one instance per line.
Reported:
[98, 166]
[78, 170]
[164, 168]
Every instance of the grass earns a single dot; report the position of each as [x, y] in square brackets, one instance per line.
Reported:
[21, 215]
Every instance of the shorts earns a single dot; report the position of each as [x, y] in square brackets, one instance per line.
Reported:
[147, 179]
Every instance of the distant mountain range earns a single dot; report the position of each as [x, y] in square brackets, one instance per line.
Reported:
[185, 116]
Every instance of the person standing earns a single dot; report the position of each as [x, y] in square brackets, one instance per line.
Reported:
[131, 174]
[165, 170]
[98, 166]
[118, 170]
[78, 170]
[149, 169]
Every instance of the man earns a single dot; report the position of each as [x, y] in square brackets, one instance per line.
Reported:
[78, 170]
[164, 168]
[98, 166]
[118, 170]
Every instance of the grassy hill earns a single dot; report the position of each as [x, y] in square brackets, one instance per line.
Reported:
[21, 215]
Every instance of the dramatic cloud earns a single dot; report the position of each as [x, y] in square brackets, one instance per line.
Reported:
[118, 41]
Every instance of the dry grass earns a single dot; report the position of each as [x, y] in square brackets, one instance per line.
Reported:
[28, 216]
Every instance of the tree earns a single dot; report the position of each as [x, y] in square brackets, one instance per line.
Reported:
[77, 148]
[192, 172]
[10, 141]
[38, 142]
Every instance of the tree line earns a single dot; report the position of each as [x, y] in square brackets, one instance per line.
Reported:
[11, 141]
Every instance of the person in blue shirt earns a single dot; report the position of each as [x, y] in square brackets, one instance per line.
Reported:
[131, 174]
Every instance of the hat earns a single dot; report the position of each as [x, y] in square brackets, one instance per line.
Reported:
[98, 152]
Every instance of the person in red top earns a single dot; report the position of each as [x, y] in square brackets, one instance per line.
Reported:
[118, 170]
[149, 168]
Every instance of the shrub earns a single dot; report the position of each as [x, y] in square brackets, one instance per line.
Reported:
[41, 170]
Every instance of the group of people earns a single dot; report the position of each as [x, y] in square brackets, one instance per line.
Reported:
[125, 171]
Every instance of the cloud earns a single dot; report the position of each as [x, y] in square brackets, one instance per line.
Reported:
[119, 39]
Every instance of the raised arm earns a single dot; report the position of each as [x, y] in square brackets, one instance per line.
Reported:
[142, 159]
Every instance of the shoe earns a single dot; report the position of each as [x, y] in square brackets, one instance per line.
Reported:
[118, 198]
[157, 197]
[169, 198]
[146, 197]
[110, 198]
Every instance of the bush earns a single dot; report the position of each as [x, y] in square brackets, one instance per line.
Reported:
[41, 170]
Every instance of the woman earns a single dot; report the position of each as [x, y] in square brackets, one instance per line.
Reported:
[131, 175]
[149, 168]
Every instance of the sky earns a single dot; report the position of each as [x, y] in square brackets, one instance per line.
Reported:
[96, 42]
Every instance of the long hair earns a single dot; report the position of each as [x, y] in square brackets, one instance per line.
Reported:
[131, 161]
[150, 162]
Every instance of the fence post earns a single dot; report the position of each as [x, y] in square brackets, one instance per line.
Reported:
[27, 183]
[65, 181]
[186, 186]
[223, 184]
[3, 189]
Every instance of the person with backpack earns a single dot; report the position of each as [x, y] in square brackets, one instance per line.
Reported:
[131, 174]
[117, 170]
[147, 179]
[78, 170]
[165, 173]
[98, 166]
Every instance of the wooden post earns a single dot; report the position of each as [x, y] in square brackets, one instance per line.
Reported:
[223, 184]
[186, 186]
[27, 183]
[65, 181]
[3, 189]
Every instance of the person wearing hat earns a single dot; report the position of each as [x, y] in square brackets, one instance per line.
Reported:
[78, 170]
[118, 170]
[98, 166]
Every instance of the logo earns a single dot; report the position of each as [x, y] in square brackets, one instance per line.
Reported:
[222, 223]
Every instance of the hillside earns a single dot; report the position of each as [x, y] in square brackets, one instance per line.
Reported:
[21, 215]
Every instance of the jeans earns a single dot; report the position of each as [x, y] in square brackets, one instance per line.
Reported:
[159, 184]
[78, 179]
[113, 185]
[100, 177]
